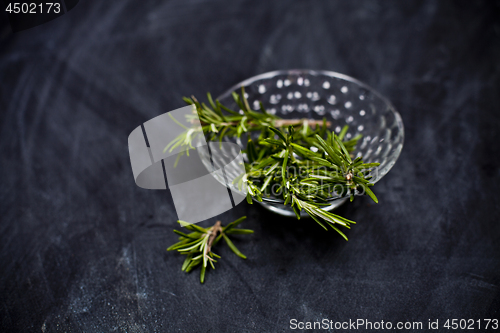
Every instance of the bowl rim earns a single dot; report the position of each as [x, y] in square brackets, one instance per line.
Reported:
[327, 73]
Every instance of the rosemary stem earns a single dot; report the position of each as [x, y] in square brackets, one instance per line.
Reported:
[277, 122]
[213, 233]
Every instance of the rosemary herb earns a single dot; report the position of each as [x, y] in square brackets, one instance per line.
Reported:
[299, 161]
[197, 245]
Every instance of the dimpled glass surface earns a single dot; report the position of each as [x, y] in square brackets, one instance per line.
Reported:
[340, 99]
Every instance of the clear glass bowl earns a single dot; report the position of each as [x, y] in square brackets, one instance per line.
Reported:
[342, 100]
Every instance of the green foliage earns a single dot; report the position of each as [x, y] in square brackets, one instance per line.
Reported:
[197, 245]
[300, 160]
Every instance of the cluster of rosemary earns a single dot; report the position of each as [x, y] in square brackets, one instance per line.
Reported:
[298, 161]
[197, 245]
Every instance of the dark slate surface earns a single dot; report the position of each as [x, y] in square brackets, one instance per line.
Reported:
[83, 248]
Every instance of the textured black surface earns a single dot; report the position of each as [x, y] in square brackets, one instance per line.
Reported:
[83, 248]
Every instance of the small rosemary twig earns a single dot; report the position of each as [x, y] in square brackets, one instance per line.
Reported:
[197, 245]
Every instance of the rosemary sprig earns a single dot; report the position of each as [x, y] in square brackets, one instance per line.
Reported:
[197, 245]
[219, 121]
[298, 160]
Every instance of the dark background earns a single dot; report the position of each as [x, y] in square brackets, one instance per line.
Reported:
[83, 248]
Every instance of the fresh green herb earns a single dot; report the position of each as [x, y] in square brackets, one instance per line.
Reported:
[197, 245]
[299, 161]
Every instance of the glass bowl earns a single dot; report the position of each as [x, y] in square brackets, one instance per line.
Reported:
[342, 100]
